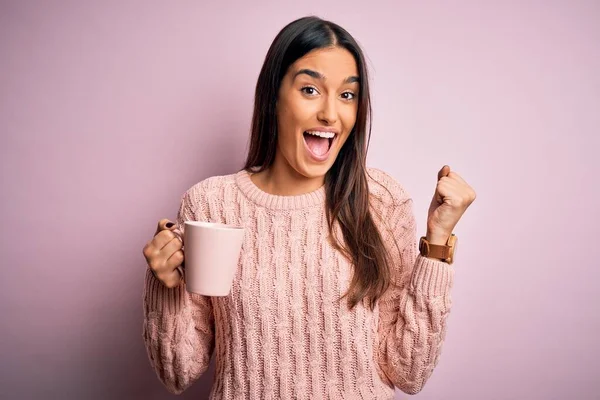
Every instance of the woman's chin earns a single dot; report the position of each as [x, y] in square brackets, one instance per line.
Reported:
[312, 170]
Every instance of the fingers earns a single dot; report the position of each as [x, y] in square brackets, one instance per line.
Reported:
[167, 225]
[164, 224]
[164, 253]
[443, 172]
[171, 247]
[156, 256]
[175, 260]
[161, 248]
[457, 181]
[166, 267]
[446, 172]
[178, 233]
[163, 238]
[169, 278]
[453, 175]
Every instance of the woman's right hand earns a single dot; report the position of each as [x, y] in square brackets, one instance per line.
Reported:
[164, 254]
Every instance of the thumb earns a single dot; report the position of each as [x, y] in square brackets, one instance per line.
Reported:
[443, 172]
[437, 197]
[165, 224]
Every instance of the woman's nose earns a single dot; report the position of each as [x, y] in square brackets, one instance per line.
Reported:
[328, 112]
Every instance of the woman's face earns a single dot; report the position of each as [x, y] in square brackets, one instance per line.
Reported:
[316, 110]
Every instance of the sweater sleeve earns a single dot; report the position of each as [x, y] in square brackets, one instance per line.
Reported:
[414, 310]
[179, 327]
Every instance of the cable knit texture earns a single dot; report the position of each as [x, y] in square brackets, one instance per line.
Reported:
[282, 333]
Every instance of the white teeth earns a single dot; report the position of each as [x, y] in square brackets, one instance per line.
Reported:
[327, 135]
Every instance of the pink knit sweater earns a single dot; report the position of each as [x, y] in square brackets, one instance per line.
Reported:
[281, 333]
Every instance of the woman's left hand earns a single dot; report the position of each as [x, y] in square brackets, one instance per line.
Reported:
[451, 199]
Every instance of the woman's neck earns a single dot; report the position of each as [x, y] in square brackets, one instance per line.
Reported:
[282, 180]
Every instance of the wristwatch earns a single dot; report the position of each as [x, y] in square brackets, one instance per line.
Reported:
[444, 252]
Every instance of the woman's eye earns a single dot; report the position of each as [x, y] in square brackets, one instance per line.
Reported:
[348, 96]
[309, 90]
[312, 91]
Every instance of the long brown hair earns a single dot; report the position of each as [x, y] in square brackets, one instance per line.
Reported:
[346, 184]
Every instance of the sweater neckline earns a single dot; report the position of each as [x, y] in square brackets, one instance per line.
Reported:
[277, 202]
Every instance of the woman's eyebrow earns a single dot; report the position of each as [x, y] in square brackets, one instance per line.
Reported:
[320, 76]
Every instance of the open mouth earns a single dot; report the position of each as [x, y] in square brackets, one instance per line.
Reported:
[319, 143]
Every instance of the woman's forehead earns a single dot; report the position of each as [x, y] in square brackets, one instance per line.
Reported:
[332, 63]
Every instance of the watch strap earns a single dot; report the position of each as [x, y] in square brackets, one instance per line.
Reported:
[433, 250]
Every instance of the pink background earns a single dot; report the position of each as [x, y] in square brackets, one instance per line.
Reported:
[110, 110]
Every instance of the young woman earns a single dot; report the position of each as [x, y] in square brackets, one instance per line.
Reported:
[332, 299]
